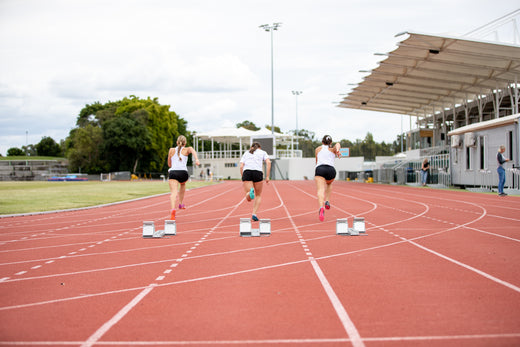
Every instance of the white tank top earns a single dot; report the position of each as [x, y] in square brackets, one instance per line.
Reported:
[325, 157]
[254, 161]
[179, 164]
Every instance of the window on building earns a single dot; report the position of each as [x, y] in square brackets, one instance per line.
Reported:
[482, 152]
[468, 158]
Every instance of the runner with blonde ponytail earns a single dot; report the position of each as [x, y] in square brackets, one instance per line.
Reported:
[178, 172]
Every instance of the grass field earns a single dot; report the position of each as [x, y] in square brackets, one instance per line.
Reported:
[24, 197]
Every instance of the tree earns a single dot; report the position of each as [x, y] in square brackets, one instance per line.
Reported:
[368, 147]
[30, 150]
[308, 143]
[162, 125]
[248, 125]
[14, 151]
[306, 134]
[83, 149]
[276, 129]
[48, 147]
[133, 135]
[125, 138]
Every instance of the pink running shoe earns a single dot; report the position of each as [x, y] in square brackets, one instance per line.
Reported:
[322, 214]
[182, 207]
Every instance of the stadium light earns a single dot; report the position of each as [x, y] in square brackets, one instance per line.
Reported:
[271, 28]
[296, 93]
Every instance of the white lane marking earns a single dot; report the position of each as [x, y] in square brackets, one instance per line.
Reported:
[278, 341]
[342, 314]
[118, 316]
[480, 272]
[338, 306]
[114, 320]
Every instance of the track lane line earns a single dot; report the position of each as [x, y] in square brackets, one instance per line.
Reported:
[342, 314]
[471, 268]
[273, 341]
[465, 225]
[98, 334]
[119, 315]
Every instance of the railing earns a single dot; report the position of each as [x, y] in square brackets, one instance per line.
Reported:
[438, 161]
[384, 175]
[289, 153]
[513, 178]
[444, 178]
[431, 151]
[30, 162]
[487, 180]
[280, 153]
[221, 154]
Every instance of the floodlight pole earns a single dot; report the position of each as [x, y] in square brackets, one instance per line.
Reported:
[296, 93]
[270, 28]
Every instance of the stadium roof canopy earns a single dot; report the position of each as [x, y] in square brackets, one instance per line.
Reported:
[428, 73]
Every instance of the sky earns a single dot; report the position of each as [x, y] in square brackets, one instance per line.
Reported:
[209, 60]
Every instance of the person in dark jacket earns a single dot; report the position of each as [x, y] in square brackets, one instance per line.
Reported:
[424, 171]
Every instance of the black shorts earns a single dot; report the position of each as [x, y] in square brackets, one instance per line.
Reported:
[252, 175]
[326, 171]
[180, 175]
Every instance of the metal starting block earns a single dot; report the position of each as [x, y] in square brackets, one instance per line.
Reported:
[170, 228]
[264, 228]
[342, 226]
[358, 227]
[149, 231]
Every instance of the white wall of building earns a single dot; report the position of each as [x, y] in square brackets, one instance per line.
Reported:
[289, 168]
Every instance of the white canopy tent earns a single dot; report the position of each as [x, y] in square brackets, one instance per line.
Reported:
[227, 136]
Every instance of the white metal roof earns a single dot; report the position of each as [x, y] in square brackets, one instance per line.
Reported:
[428, 73]
[493, 123]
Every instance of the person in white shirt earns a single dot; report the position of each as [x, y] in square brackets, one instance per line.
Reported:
[178, 172]
[252, 175]
[325, 173]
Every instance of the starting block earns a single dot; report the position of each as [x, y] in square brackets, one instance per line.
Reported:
[264, 228]
[170, 228]
[358, 227]
[149, 231]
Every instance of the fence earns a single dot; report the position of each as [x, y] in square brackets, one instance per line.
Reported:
[513, 179]
[228, 154]
[487, 180]
[408, 171]
[443, 178]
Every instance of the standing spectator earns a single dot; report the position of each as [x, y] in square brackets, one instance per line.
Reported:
[501, 171]
[425, 167]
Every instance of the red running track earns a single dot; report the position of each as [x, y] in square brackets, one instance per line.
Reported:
[437, 268]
